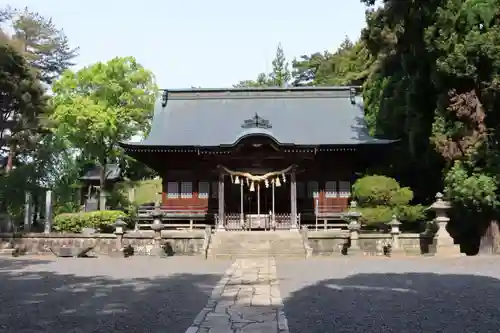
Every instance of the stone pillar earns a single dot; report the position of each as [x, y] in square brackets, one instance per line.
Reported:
[445, 244]
[102, 199]
[28, 217]
[293, 201]
[119, 232]
[354, 227]
[395, 232]
[48, 212]
[221, 224]
[157, 227]
[131, 194]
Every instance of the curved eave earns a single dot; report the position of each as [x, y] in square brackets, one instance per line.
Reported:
[254, 133]
[379, 142]
[226, 149]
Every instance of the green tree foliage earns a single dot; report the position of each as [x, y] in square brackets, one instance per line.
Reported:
[45, 47]
[102, 105]
[435, 85]
[23, 105]
[381, 197]
[279, 77]
[348, 65]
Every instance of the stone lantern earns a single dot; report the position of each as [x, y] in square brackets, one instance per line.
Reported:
[354, 227]
[157, 227]
[119, 232]
[444, 240]
[395, 231]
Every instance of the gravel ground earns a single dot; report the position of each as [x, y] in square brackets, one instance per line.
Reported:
[392, 295]
[151, 295]
[104, 294]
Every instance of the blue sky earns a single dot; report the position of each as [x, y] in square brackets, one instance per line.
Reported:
[201, 43]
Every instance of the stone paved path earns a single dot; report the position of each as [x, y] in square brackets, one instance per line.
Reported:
[247, 299]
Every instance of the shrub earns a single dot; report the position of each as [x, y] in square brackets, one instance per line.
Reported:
[373, 215]
[381, 197]
[372, 191]
[99, 220]
[409, 213]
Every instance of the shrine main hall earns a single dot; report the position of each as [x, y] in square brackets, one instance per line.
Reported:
[258, 158]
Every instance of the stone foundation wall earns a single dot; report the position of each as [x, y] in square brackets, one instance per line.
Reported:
[177, 242]
[322, 243]
[327, 243]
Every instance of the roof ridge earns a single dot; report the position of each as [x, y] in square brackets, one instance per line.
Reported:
[262, 93]
[248, 89]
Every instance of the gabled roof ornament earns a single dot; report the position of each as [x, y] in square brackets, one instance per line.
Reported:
[256, 122]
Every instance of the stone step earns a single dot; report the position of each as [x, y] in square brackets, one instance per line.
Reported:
[233, 245]
[246, 250]
[7, 252]
[253, 248]
[232, 256]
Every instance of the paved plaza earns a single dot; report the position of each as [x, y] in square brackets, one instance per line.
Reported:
[192, 295]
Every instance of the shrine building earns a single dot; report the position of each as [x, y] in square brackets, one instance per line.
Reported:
[258, 158]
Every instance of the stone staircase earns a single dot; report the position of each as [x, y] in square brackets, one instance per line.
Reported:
[7, 249]
[251, 244]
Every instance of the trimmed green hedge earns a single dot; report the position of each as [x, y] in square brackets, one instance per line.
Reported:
[99, 220]
[381, 197]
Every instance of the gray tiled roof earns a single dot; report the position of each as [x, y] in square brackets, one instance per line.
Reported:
[113, 172]
[300, 116]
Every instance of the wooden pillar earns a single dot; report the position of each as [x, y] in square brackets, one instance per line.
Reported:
[274, 199]
[242, 214]
[293, 200]
[258, 201]
[221, 225]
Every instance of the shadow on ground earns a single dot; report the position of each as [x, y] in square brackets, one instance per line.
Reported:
[412, 302]
[34, 300]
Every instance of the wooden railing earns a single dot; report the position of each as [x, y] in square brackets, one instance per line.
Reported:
[175, 212]
[282, 221]
[330, 210]
[327, 217]
[174, 217]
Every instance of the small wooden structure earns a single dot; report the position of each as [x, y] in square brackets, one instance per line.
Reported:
[266, 158]
[91, 181]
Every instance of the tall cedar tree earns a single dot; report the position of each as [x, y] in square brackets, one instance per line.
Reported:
[45, 46]
[22, 102]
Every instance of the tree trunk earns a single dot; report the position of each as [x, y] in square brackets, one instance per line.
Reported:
[102, 185]
[10, 160]
[490, 239]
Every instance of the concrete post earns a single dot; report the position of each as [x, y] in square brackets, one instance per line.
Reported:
[48, 212]
[27, 211]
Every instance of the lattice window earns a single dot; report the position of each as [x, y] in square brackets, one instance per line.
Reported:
[331, 189]
[312, 189]
[172, 190]
[186, 190]
[203, 190]
[301, 190]
[215, 190]
[344, 189]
